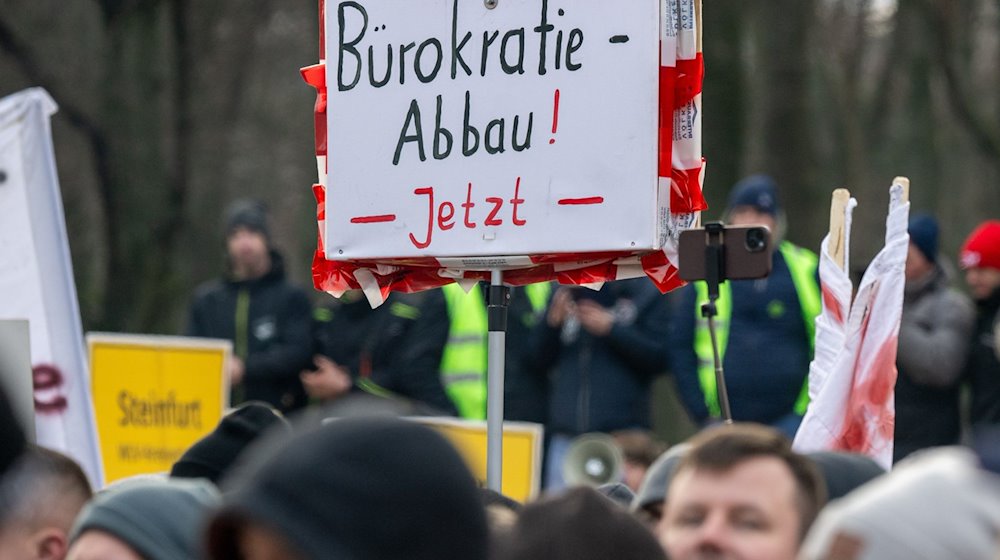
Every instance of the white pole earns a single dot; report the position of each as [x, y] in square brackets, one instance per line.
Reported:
[497, 312]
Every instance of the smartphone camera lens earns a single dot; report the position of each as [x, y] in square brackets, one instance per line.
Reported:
[756, 240]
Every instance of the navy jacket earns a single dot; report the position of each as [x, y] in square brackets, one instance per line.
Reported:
[602, 383]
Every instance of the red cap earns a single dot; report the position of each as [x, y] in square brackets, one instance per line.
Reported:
[982, 248]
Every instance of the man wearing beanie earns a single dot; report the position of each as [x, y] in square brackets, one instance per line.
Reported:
[765, 327]
[933, 344]
[144, 521]
[212, 456]
[980, 258]
[253, 305]
[353, 489]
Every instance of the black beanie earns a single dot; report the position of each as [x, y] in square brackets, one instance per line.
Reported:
[357, 489]
[249, 214]
[578, 525]
[923, 230]
[213, 455]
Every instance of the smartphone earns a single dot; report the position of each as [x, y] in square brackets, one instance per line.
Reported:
[747, 249]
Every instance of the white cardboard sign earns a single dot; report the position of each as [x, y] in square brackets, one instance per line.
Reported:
[461, 131]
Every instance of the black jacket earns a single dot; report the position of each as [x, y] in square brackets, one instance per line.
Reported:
[274, 343]
[602, 383]
[983, 369]
[396, 346]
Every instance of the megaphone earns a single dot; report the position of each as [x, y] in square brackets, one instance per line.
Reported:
[592, 460]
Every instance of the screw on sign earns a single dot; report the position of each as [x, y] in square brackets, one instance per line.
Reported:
[3, 177]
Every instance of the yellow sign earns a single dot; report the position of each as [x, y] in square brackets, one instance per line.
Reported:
[154, 396]
[522, 452]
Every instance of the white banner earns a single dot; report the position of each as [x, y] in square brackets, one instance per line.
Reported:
[36, 278]
[461, 131]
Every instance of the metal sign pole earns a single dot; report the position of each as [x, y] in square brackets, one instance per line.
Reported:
[496, 303]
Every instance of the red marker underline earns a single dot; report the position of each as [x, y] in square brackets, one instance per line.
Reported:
[578, 201]
[373, 219]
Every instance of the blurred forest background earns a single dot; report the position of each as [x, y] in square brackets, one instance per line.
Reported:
[169, 109]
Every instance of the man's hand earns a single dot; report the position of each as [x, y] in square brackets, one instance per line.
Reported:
[328, 382]
[561, 307]
[236, 371]
[594, 317]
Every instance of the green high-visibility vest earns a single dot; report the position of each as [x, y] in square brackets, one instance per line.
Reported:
[802, 265]
[464, 361]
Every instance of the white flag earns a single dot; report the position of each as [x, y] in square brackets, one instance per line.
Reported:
[36, 278]
[851, 380]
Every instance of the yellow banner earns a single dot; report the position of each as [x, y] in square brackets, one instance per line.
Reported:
[522, 452]
[154, 396]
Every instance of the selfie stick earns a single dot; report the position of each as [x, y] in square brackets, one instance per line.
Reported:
[715, 273]
[496, 309]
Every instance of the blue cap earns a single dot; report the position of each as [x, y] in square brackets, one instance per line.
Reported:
[757, 191]
[924, 235]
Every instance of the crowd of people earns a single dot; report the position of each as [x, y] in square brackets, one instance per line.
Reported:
[313, 461]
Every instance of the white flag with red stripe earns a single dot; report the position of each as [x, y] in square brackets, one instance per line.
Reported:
[851, 380]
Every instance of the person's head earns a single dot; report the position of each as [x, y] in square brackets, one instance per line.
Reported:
[922, 255]
[212, 456]
[639, 450]
[844, 472]
[579, 524]
[742, 493]
[247, 239]
[144, 520]
[359, 488]
[754, 201]
[39, 499]
[980, 258]
[648, 502]
[937, 503]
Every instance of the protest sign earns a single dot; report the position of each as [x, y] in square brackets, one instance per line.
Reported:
[548, 139]
[456, 130]
[154, 396]
[522, 452]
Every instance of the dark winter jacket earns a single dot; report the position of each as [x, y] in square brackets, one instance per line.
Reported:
[983, 369]
[933, 344]
[274, 341]
[396, 346]
[602, 383]
[767, 357]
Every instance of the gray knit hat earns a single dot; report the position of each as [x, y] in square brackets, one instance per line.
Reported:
[935, 504]
[159, 520]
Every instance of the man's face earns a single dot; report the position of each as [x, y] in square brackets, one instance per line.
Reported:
[750, 216]
[917, 264]
[746, 513]
[982, 281]
[98, 545]
[247, 251]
